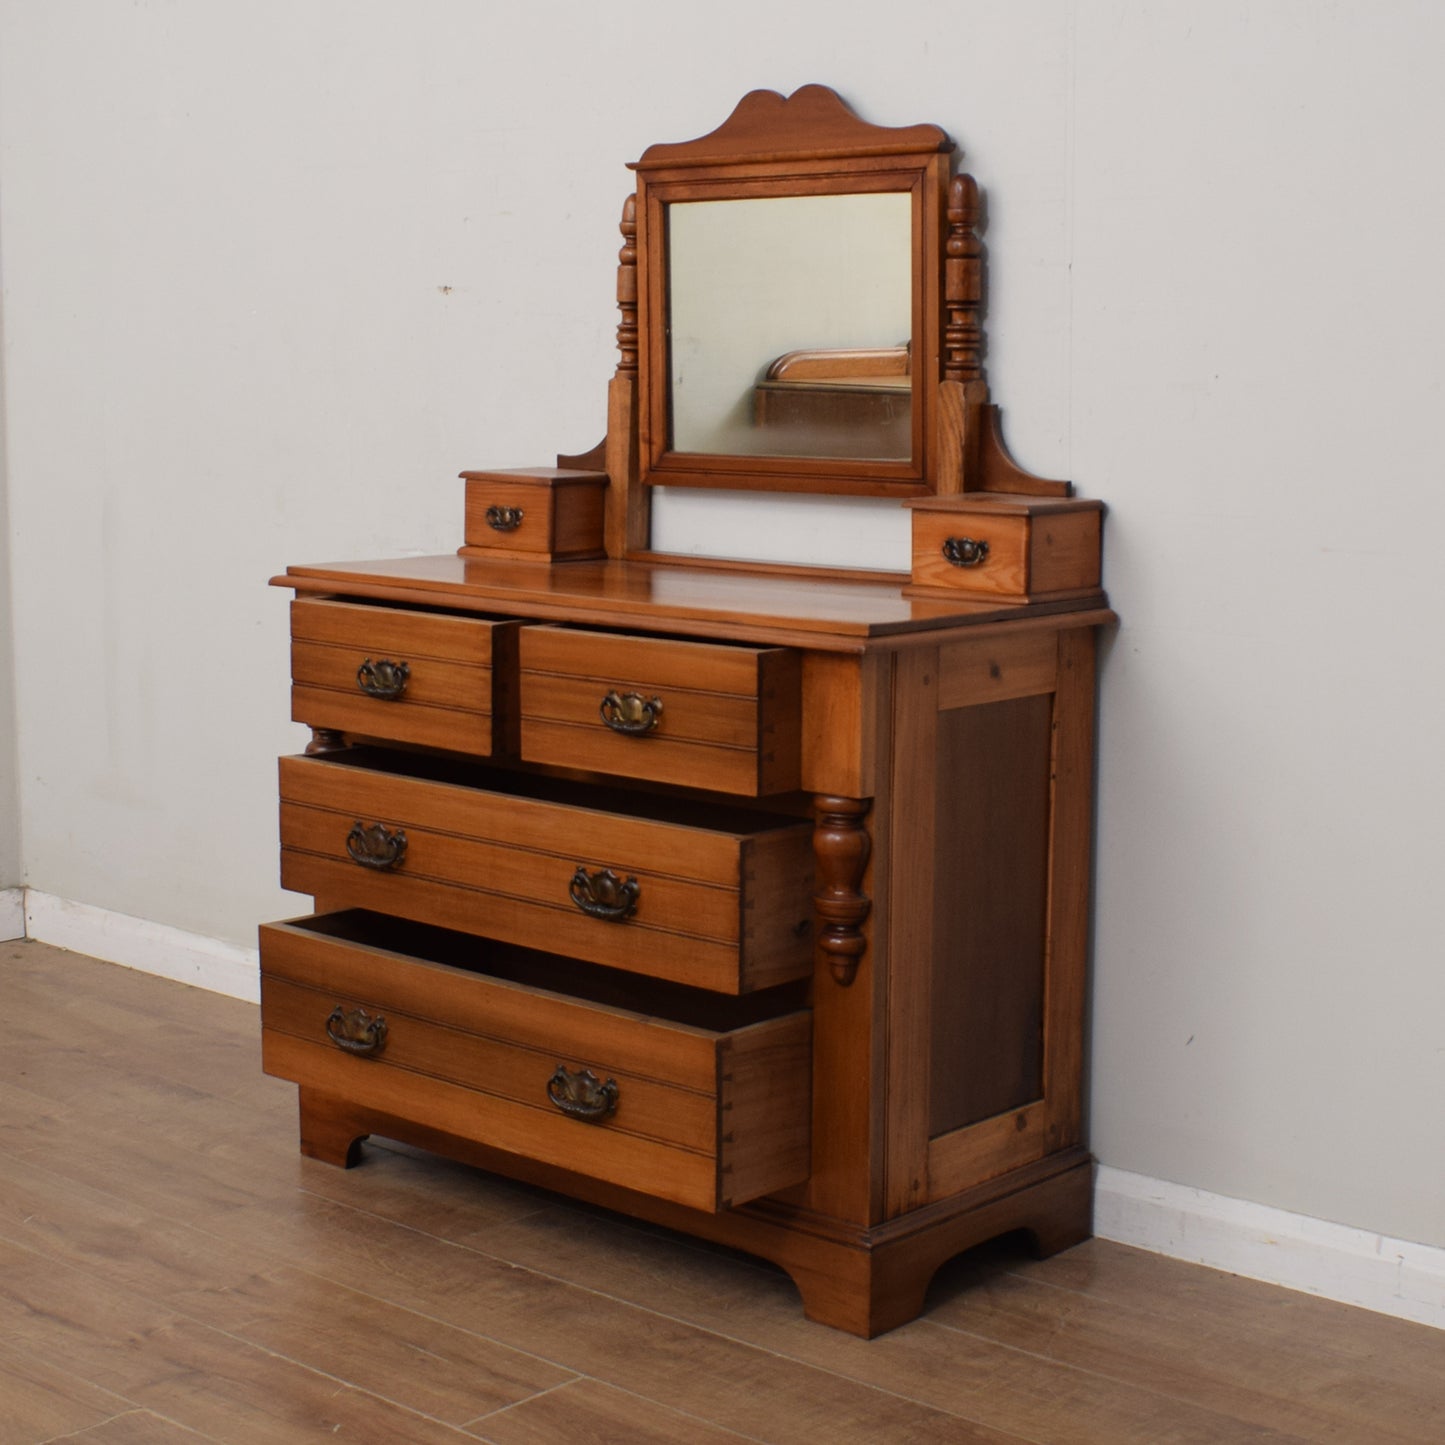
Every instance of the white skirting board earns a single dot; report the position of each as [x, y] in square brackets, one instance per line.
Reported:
[149, 947]
[1353, 1266]
[12, 914]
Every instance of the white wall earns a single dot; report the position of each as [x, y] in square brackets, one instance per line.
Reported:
[10, 853]
[275, 272]
[1259, 355]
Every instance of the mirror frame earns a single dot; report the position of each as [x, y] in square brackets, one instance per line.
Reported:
[807, 144]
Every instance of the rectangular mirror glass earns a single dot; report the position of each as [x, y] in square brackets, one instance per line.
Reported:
[790, 326]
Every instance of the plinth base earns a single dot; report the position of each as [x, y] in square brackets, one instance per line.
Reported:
[865, 1280]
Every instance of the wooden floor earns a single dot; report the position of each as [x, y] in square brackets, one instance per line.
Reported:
[172, 1271]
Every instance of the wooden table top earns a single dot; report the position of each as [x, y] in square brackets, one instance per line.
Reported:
[830, 611]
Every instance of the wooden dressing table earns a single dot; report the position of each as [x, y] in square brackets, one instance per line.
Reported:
[749, 900]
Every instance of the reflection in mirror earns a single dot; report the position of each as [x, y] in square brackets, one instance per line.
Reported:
[790, 320]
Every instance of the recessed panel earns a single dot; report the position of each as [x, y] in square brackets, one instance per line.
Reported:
[990, 910]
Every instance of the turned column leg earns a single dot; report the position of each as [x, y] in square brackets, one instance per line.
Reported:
[331, 1129]
[841, 847]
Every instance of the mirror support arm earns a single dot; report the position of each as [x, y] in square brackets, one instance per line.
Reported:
[963, 285]
[628, 524]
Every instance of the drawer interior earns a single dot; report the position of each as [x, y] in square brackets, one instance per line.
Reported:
[637, 802]
[697, 1098]
[603, 987]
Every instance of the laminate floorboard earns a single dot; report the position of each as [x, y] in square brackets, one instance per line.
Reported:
[171, 1270]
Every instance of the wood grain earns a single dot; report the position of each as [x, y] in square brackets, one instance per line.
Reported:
[809, 144]
[431, 1368]
[627, 516]
[156, 1176]
[137, 1427]
[328, 955]
[452, 690]
[704, 1116]
[915, 825]
[681, 958]
[374, 630]
[727, 718]
[1276, 1360]
[1069, 880]
[763, 1102]
[463, 730]
[625, 661]
[670, 904]
[496, 1065]
[493, 863]
[1004, 571]
[686, 1176]
[588, 1411]
[42, 1401]
[187, 1372]
[1037, 548]
[989, 915]
[834, 614]
[561, 513]
[997, 668]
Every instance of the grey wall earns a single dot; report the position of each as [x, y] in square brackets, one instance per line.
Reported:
[11, 874]
[10, 853]
[276, 272]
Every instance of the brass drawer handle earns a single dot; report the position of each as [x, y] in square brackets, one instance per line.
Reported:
[383, 678]
[631, 713]
[374, 845]
[966, 551]
[603, 894]
[580, 1094]
[504, 519]
[356, 1031]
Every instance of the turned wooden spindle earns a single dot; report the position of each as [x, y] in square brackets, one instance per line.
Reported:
[963, 285]
[627, 290]
[324, 740]
[627, 525]
[841, 846]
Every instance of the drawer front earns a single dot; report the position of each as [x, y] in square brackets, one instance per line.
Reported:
[722, 910]
[1026, 556]
[346, 671]
[535, 515]
[509, 519]
[703, 715]
[591, 1087]
[1003, 570]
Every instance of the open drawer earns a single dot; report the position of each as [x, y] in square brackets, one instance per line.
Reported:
[404, 675]
[720, 716]
[694, 1098]
[713, 896]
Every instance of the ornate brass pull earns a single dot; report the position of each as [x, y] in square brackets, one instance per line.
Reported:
[383, 678]
[631, 713]
[603, 894]
[966, 551]
[580, 1094]
[504, 519]
[356, 1031]
[374, 845]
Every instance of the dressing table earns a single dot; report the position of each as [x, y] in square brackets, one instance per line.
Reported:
[747, 899]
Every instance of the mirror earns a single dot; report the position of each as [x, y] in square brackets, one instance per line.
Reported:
[789, 322]
[789, 304]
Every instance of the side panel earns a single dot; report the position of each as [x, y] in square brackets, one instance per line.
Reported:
[991, 855]
[989, 928]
